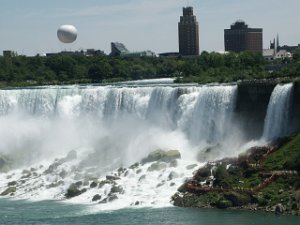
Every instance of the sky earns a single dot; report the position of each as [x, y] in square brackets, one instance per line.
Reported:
[29, 26]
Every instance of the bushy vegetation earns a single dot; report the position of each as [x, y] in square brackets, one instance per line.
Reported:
[208, 67]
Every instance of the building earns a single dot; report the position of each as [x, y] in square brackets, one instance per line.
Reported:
[278, 52]
[118, 49]
[188, 32]
[241, 38]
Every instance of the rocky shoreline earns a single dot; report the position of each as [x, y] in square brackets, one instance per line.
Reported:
[262, 179]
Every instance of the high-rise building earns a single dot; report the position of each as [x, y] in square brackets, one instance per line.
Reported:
[242, 38]
[188, 32]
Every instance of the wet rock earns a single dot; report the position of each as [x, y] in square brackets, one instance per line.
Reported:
[157, 166]
[190, 167]
[52, 167]
[143, 177]
[79, 183]
[108, 177]
[12, 183]
[279, 209]
[109, 199]
[8, 191]
[121, 170]
[174, 163]
[160, 155]
[55, 184]
[134, 166]
[96, 197]
[117, 189]
[93, 184]
[137, 203]
[138, 171]
[173, 175]
[103, 182]
[160, 184]
[74, 191]
[63, 174]
[172, 184]
[171, 155]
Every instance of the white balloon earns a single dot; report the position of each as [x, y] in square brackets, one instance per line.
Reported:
[67, 33]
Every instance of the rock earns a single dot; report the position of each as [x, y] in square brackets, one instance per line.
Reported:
[134, 166]
[96, 197]
[109, 199]
[139, 171]
[74, 191]
[203, 172]
[137, 203]
[103, 182]
[143, 177]
[160, 155]
[117, 189]
[173, 175]
[237, 199]
[93, 184]
[183, 188]
[8, 191]
[172, 184]
[54, 185]
[190, 167]
[108, 177]
[12, 183]
[79, 183]
[174, 163]
[121, 170]
[157, 166]
[63, 174]
[279, 209]
[154, 156]
[52, 167]
[160, 184]
[171, 155]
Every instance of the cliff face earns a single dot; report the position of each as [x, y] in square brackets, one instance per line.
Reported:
[252, 105]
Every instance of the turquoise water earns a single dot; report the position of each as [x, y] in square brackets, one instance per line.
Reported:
[51, 212]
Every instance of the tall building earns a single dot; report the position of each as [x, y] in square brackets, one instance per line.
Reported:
[188, 32]
[242, 38]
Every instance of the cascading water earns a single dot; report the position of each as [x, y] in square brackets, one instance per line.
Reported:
[112, 126]
[277, 119]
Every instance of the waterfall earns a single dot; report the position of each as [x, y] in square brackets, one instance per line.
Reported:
[73, 116]
[277, 118]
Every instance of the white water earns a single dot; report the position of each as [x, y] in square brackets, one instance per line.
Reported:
[110, 127]
[277, 119]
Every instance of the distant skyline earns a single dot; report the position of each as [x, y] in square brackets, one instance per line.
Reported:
[29, 27]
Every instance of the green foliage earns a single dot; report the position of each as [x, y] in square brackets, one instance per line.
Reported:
[288, 157]
[206, 68]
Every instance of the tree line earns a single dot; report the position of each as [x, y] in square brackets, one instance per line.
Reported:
[208, 67]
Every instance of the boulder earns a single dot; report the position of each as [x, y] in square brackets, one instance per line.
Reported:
[108, 177]
[157, 166]
[154, 156]
[96, 197]
[74, 191]
[12, 183]
[134, 166]
[174, 163]
[279, 209]
[171, 155]
[143, 177]
[103, 182]
[63, 174]
[93, 184]
[109, 199]
[160, 155]
[237, 199]
[8, 191]
[173, 175]
[117, 189]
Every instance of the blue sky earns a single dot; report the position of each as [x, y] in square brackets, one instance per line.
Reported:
[29, 26]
